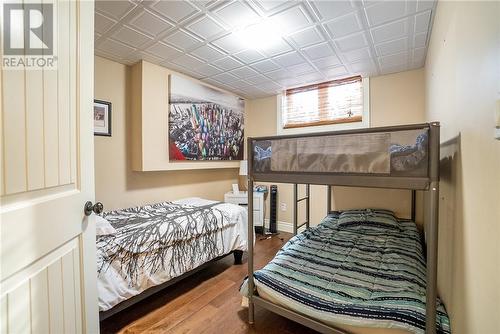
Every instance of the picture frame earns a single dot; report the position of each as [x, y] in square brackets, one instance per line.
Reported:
[102, 118]
[204, 123]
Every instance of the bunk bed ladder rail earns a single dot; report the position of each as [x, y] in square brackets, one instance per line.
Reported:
[296, 201]
[432, 229]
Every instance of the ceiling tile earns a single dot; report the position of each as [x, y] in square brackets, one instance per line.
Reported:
[244, 72]
[150, 57]
[189, 71]
[420, 40]
[291, 20]
[265, 66]
[352, 42]
[302, 68]
[332, 9]
[241, 85]
[205, 27]
[395, 68]
[291, 82]
[319, 51]
[175, 10]
[227, 63]
[230, 43]
[424, 5]
[268, 5]
[277, 48]
[359, 54]
[392, 47]
[363, 67]
[163, 51]
[335, 72]
[182, 40]
[279, 74]
[390, 31]
[258, 79]
[419, 55]
[114, 9]
[207, 53]
[344, 25]
[422, 22]
[212, 82]
[102, 23]
[327, 62]
[208, 70]
[249, 56]
[385, 11]
[395, 59]
[289, 59]
[237, 14]
[150, 23]
[307, 37]
[310, 78]
[270, 87]
[188, 61]
[225, 77]
[131, 37]
[115, 48]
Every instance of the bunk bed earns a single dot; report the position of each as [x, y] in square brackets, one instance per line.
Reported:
[397, 157]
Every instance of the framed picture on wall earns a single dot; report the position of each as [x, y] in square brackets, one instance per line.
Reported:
[204, 123]
[102, 118]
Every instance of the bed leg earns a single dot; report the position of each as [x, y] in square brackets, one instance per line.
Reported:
[238, 256]
[250, 311]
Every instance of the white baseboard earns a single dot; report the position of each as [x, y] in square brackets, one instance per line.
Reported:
[283, 226]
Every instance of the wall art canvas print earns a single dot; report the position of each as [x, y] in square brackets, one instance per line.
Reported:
[204, 123]
[102, 118]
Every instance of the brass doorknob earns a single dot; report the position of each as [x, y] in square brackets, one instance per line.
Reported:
[96, 208]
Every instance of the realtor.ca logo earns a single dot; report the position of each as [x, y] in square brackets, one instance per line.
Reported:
[28, 36]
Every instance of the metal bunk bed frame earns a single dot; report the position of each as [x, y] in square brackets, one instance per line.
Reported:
[429, 183]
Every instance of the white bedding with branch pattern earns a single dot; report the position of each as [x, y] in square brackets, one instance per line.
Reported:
[156, 243]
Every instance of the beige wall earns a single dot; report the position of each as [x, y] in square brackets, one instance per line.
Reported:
[462, 87]
[394, 99]
[117, 186]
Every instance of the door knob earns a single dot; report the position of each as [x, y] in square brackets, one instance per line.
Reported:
[96, 208]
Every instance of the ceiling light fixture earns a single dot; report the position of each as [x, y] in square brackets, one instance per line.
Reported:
[261, 35]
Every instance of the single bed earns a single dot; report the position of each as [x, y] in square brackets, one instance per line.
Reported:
[159, 243]
[357, 269]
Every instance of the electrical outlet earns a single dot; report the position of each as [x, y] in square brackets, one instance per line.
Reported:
[283, 206]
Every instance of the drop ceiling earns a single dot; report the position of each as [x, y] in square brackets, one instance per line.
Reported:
[321, 40]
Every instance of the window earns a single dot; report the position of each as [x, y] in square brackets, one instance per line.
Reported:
[332, 102]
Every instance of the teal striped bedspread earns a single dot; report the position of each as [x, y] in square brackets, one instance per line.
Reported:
[366, 275]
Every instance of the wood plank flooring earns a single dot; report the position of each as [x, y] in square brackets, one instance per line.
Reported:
[207, 302]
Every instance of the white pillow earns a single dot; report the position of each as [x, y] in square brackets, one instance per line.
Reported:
[103, 227]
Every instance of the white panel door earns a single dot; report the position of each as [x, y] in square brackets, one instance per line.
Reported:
[48, 266]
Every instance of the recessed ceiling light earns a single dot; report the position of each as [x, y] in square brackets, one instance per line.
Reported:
[261, 35]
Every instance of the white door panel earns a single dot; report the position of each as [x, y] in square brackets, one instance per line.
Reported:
[47, 244]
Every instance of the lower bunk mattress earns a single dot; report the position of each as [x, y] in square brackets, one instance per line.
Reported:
[155, 243]
[357, 269]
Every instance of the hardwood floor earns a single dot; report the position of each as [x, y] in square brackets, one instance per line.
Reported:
[207, 302]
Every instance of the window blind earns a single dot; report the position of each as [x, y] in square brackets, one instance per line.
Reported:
[331, 102]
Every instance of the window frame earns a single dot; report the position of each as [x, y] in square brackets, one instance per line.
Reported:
[333, 126]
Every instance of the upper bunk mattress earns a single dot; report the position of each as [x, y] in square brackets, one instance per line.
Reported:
[356, 275]
[155, 243]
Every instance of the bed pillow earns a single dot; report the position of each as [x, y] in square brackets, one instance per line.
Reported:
[368, 217]
[103, 227]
